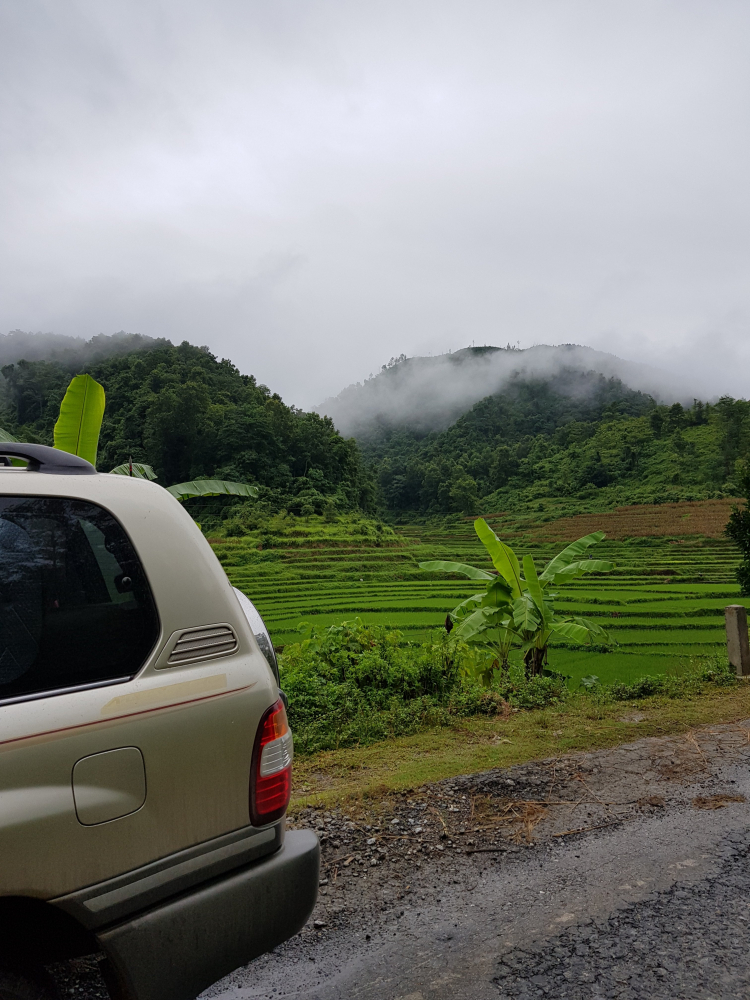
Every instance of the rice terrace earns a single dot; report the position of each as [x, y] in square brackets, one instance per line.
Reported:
[662, 604]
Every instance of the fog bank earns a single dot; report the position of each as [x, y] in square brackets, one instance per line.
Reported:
[426, 394]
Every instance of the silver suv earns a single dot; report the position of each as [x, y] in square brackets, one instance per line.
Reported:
[145, 756]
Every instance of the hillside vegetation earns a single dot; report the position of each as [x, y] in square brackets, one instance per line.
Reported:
[662, 604]
[191, 416]
[577, 437]
[365, 652]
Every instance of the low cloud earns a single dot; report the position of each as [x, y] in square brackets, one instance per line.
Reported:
[427, 394]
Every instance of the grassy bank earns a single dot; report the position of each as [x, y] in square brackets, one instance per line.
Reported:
[586, 722]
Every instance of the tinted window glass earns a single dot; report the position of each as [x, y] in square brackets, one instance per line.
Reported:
[75, 606]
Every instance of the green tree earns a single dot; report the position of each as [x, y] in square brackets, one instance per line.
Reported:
[738, 529]
[463, 494]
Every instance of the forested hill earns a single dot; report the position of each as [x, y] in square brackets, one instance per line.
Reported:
[577, 436]
[566, 435]
[192, 416]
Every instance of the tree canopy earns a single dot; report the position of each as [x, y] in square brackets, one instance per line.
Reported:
[193, 417]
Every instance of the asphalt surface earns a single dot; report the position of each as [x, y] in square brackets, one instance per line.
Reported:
[654, 905]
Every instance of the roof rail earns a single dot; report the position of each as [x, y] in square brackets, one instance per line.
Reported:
[44, 459]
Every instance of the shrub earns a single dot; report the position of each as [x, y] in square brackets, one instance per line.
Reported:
[356, 684]
[699, 674]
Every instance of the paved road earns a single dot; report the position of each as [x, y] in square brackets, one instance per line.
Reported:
[656, 907]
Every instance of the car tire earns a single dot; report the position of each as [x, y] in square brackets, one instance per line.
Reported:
[24, 985]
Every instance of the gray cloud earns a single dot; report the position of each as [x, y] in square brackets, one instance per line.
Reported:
[310, 188]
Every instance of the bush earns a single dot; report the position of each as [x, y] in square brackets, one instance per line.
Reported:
[354, 684]
[700, 673]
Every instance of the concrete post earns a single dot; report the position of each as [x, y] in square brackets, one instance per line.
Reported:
[738, 647]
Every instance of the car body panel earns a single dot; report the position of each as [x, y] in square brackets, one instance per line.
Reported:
[176, 950]
[194, 723]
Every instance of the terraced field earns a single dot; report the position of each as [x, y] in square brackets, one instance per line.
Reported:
[663, 603]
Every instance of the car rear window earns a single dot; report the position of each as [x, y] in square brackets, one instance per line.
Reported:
[75, 605]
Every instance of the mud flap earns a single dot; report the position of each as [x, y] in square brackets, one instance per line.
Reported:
[178, 949]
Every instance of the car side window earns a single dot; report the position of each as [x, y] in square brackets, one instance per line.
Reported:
[75, 605]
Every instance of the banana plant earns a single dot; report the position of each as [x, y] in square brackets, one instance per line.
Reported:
[516, 608]
[211, 488]
[136, 470]
[9, 439]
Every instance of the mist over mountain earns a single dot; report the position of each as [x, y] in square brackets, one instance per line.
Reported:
[429, 394]
[71, 352]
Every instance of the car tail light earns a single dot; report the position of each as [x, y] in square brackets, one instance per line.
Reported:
[271, 774]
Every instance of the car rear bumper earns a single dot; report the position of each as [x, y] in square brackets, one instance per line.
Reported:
[177, 949]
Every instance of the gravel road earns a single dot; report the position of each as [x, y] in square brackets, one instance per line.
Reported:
[622, 873]
[653, 901]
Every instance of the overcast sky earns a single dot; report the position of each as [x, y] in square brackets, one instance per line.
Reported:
[312, 186]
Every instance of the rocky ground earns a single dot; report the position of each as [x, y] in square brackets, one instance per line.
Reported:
[379, 854]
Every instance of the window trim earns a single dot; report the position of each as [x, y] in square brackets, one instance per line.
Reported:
[54, 692]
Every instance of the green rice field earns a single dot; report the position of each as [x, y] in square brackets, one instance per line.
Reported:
[662, 604]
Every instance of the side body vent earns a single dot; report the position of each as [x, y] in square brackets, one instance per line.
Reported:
[193, 644]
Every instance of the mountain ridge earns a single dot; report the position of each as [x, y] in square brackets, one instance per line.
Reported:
[429, 394]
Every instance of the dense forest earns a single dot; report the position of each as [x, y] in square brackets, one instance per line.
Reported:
[192, 416]
[576, 435]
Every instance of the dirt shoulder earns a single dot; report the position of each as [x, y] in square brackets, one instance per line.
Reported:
[474, 887]
[377, 853]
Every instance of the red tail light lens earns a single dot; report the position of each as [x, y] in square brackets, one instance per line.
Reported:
[271, 774]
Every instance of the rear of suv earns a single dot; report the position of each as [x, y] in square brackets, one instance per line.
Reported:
[145, 755]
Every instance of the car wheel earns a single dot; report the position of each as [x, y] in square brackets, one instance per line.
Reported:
[17, 985]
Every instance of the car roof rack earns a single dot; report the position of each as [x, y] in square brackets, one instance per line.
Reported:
[44, 459]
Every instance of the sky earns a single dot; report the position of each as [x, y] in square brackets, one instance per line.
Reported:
[311, 187]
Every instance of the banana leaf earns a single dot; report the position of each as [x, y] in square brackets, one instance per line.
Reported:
[211, 488]
[569, 630]
[6, 436]
[445, 566]
[526, 617]
[497, 594]
[481, 624]
[466, 607]
[534, 588]
[593, 628]
[80, 421]
[503, 558]
[137, 469]
[570, 554]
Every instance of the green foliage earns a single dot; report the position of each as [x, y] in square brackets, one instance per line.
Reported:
[138, 470]
[80, 420]
[540, 440]
[193, 417]
[701, 673]
[7, 436]
[211, 488]
[353, 684]
[515, 609]
[501, 440]
[738, 529]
